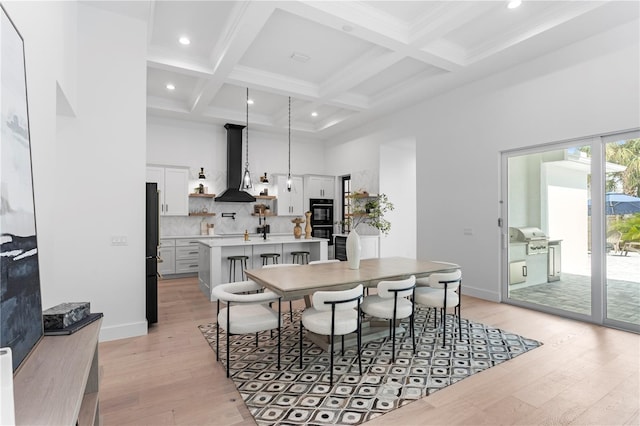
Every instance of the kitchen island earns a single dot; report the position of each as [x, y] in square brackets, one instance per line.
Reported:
[214, 267]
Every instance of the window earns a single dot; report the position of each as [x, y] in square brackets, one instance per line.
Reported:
[346, 202]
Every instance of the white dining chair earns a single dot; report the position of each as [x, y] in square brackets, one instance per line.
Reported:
[393, 301]
[247, 311]
[443, 292]
[334, 313]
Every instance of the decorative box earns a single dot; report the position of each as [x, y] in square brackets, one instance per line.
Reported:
[64, 315]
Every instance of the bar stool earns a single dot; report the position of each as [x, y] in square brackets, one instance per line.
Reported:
[266, 256]
[232, 266]
[301, 257]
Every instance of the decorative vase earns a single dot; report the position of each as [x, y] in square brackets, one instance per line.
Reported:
[307, 228]
[353, 250]
[297, 229]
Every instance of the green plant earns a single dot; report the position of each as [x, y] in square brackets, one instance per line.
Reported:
[369, 210]
[629, 227]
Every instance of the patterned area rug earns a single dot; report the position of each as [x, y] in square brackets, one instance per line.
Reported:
[294, 396]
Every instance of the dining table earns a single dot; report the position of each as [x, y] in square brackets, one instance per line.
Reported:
[304, 280]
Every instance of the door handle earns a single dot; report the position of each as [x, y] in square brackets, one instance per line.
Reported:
[524, 270]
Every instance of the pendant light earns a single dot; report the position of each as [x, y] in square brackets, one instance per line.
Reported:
[289, 175]
[246, 177]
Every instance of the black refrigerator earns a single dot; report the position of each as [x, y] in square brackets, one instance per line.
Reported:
[151, 252]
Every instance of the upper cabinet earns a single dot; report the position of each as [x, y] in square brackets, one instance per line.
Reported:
[319, 187]
[290, 203]
[173, 188]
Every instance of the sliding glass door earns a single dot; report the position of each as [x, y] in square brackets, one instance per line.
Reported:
[622, 227]
[564, 252]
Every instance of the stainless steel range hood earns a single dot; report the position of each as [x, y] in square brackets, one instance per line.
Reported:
[233, 194]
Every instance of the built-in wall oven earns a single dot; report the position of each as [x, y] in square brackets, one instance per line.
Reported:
[321, 218]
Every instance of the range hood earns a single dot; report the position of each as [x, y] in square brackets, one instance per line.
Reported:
[233, 194]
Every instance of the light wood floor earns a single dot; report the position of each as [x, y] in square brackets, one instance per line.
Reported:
[583, 374]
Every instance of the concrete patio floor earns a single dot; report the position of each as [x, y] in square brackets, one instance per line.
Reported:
[573, 291]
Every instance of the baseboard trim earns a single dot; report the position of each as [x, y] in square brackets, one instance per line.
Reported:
[481, 294]
[123, 331]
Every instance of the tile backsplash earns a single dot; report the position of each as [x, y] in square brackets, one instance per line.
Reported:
[183, 225]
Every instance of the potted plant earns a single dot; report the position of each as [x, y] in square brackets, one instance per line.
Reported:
[369, 210]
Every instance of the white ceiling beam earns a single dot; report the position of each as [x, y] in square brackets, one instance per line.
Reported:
[167, 62]
[554, 17]
[369, 25]
[273, 83]
[243, 27]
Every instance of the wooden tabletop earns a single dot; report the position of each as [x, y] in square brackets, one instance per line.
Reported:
[307, 279]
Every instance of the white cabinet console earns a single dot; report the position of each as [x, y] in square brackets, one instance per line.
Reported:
[58, 382]
[214, 266]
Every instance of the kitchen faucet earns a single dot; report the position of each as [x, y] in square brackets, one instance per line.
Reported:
[264, 229]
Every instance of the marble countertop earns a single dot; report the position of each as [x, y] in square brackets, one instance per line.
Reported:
[219, 236]
[255, 239]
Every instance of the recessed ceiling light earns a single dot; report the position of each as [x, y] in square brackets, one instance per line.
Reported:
[514, 3]
[170, 86]
[314, 114]
[300, 57]
[250, 101]
[184, 40]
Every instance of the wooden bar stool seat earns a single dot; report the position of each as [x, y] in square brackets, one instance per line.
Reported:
[273, 256]
[242, 260]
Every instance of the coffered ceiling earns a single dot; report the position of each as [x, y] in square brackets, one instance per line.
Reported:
[347, 61]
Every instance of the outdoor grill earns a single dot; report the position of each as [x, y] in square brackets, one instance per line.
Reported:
[536, 240]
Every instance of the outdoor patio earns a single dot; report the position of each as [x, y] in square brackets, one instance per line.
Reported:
[572, 292]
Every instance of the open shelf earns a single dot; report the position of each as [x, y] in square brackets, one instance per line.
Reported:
[202, 195]
[265, 197]
[58, 383]
[202, 214]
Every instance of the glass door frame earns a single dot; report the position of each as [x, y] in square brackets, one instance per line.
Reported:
[598, 275]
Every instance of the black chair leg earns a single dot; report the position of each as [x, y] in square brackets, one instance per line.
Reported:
[217, 332]
[459, 324]
[301, 344]
[342, 350]
[279, 331]
[393, 340]
[359, 346]
[291, 310]
[331, 363]
[412, 324]
[228, 333]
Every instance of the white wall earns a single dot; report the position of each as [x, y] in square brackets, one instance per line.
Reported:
[589, 88]
[398, 182]
[89, 169]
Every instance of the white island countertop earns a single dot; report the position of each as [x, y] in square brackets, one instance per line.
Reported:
[257, 240]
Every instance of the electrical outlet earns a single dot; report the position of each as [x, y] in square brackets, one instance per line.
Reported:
[119, 240]
[467, 231]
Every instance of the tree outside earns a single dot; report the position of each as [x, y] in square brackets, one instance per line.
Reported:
[626, 153]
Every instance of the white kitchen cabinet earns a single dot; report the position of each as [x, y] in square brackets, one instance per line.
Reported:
[167, 254]
[179, 255]
[290, 203]
[173, 188]
[319, 187]
[186, 256]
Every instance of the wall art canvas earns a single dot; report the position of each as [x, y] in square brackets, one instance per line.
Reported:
[20, 299]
